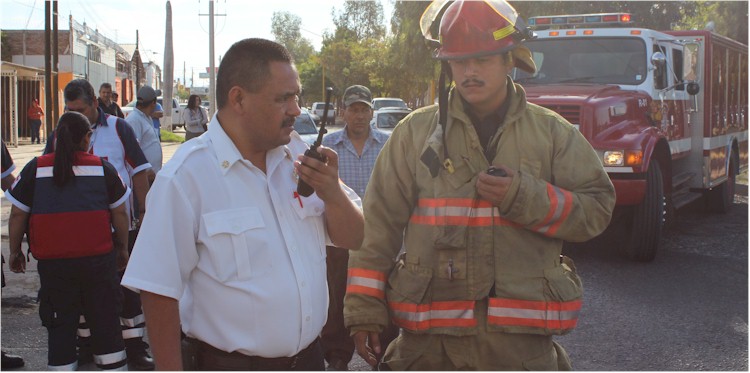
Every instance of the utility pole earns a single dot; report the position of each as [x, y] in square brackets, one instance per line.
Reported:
[47, 65]
[211, 72]
[55, 66]
[211, 63]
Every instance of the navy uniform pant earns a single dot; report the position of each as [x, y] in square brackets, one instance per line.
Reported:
[132, 320]
[75, 286]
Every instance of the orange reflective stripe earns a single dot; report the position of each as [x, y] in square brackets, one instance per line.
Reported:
[457, 211]
[432, 315]
[366, 281]
[539, 314]
[561, 202]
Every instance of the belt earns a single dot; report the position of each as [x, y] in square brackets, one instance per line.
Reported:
[211, 358]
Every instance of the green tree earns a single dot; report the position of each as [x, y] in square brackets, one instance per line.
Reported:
[5, 47]
[359, 20]
[409, 64]
[285, 28]
[729, 18]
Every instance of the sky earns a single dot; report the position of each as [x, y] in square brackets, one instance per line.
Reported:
[118, 20]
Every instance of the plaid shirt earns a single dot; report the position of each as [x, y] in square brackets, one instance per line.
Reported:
[355, 170]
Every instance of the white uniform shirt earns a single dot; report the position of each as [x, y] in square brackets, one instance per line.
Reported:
[143, 126]
[245, 257]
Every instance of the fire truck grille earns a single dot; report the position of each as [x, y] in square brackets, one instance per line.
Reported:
[571, 113]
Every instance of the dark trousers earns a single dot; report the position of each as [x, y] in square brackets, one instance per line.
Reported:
[36, 124]
[335, 339]
[88, 286]
[198, 355]
[132, 321]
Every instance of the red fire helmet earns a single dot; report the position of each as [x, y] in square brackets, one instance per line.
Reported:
[471, 29]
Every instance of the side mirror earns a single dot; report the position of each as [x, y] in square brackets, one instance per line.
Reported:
[659, 60]
[691, 66]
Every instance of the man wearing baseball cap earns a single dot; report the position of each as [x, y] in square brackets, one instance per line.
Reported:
[141, 122]
[357, 145]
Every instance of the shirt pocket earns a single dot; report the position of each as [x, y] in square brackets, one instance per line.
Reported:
[236, 243]
[310, 211]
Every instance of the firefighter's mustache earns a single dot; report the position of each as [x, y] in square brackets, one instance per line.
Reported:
[472, 81]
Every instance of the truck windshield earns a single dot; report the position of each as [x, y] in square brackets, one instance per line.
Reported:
[586, 60]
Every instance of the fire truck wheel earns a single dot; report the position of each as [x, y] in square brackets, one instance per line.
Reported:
[648, 218]
[721, 198]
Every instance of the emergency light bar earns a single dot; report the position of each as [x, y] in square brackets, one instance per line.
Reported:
[586, 20]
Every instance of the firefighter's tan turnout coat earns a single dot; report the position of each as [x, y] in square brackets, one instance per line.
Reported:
[460, 248]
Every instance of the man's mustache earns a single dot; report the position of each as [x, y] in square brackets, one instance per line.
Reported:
[288, 122]
[473, 81]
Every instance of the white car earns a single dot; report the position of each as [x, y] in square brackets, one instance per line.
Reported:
[387, 118]
[177, 108]
[317, 109]
[388, 102]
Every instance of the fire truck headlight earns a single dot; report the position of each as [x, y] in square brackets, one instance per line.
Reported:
[614, 158]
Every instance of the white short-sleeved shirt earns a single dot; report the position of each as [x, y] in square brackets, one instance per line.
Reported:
[143, 126]
[242, 253]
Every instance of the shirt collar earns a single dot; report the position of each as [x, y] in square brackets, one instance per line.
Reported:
[102, 118]
[375, 134]
[226, 152]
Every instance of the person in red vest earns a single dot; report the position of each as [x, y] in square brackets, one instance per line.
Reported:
[70, 200]
[35, 114]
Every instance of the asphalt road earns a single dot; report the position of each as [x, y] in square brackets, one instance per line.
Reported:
[687, 310]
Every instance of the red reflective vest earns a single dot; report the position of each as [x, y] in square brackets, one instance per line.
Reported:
[73, 221]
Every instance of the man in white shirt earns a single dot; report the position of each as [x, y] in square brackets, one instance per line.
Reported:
[143, 126]
[229, 251]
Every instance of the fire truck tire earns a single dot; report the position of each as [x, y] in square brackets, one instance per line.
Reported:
[648, 218]
[721, 198]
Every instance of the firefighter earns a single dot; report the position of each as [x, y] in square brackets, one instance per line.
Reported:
[482, 284]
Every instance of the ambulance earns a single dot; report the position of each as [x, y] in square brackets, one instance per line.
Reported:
[665, 110]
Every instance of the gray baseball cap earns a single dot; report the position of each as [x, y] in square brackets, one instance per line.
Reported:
[357, 93]
[146, 94]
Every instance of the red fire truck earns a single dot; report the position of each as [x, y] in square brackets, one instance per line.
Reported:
[665, 110]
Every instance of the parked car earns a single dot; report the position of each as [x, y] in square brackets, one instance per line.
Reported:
[177, 109]
[387, 118]
[305, 126]
[383, 102]
[317, 109]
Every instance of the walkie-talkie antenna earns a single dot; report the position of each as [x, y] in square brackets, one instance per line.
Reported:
[303, 188]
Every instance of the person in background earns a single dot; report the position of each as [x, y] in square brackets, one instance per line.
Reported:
[482, 189]
[35, 114]
[143, 127]
[69, 200]
[195, 117]
[9, 361]
[230, 254]
[357, 146]
[114, 140]
[115, 98]
[105, 101]
[155, 117]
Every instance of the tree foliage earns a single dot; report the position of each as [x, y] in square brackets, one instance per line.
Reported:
[285, 28]
[399, 64]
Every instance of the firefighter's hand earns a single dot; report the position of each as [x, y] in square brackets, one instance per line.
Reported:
[17, 262]
[368, 346]
[321, 176]
[493, 188]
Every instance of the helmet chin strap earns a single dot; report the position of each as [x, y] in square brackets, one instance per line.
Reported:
[443, 113]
